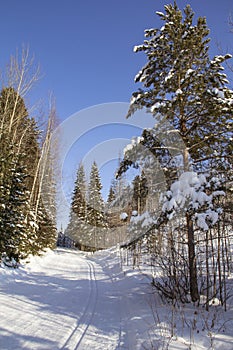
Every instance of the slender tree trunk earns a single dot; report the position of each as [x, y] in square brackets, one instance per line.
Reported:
[207, 271]
[224, 278]
[214, 272]
[219, 265]
[192, 261]
[191, 238]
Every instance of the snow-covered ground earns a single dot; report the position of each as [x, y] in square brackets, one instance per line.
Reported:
[70, 300]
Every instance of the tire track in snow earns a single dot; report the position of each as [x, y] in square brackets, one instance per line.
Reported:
[75, 338]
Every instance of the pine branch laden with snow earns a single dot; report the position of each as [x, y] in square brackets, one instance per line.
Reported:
[197, 194]
[181, 82]
[123, 216]
[145, 220]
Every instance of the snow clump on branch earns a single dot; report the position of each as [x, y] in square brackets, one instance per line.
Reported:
[194, 193]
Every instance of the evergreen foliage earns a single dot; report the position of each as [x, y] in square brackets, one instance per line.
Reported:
[182, 84]
[77, 227]
[13, 207]
[88, 224]
[111, 195]
[95, 210]
[25, 225]
[187, 93]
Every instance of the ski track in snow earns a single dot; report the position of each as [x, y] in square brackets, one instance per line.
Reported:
[66, 300]
[75, 338]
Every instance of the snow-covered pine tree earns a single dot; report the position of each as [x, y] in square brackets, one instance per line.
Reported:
[96, 220]
[77, 227]
[183, 86]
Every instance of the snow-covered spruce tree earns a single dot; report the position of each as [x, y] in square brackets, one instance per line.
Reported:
[96, 220]
[77, 227]
[13, 209]
[20, 150]
[183, 86]
[14, 176]
[20, 163]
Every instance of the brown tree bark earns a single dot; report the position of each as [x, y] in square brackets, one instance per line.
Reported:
[192, 261]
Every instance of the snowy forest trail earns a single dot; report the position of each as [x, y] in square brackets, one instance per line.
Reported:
[66, 300]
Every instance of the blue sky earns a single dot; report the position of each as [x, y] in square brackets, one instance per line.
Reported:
[85, 47]
[85, 50]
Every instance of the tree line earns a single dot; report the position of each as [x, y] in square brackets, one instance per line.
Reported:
[27, 218]
[88, 224]
[95, 224]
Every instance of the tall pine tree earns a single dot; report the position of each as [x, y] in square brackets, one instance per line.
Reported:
[95, 211]
[183, 86]
[77, 227]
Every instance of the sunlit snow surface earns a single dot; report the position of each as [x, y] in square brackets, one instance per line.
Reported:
[69, 300]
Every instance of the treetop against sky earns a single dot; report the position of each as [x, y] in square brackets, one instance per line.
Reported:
[85, 50]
